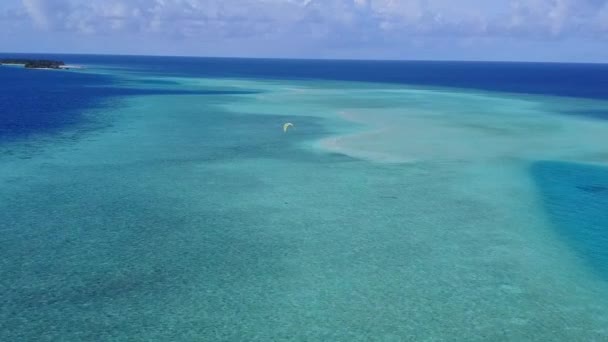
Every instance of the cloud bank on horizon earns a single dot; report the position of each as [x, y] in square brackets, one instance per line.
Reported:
[405, 29]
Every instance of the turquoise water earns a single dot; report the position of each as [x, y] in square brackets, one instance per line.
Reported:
[389, 213]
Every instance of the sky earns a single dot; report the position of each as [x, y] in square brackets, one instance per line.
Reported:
[506, 30]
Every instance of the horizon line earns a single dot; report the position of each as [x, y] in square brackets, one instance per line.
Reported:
[301, 58]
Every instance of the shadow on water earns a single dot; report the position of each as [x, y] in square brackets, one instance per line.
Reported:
[576, 198]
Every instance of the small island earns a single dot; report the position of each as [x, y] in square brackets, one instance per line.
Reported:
[34, 63]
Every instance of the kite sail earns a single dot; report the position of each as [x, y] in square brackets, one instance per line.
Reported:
[286, 126]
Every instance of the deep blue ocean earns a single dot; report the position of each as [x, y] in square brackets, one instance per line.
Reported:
[33, 101]
[43, 103]
[579, 80]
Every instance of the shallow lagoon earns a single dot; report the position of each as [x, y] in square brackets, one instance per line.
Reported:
[390, 212]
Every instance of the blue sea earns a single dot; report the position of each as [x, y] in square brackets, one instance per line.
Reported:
[159, 199]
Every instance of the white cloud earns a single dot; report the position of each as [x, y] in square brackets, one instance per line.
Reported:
[557, 17]
[318, 19]
[602, 19]
[39, 12]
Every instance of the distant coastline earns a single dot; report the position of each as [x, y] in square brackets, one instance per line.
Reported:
[34, 63]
